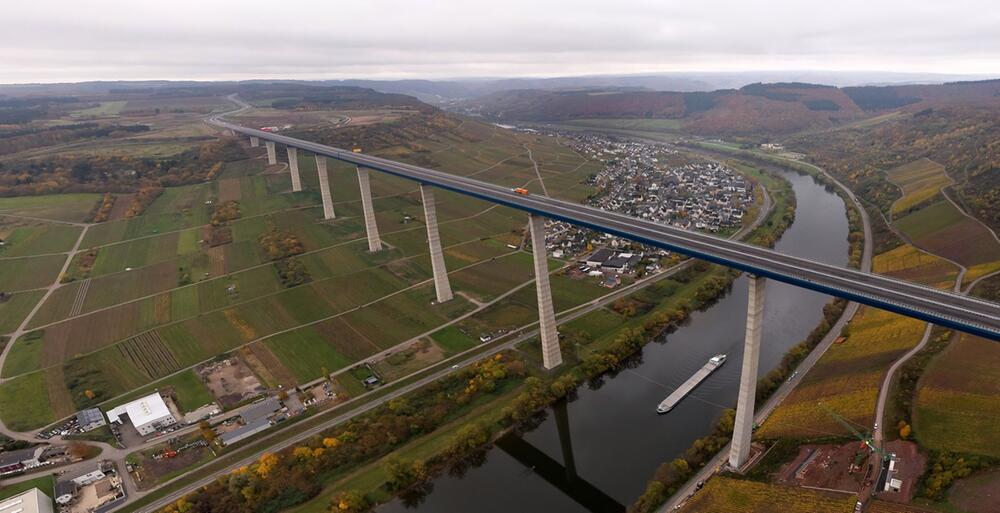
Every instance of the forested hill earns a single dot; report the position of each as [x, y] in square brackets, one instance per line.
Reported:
[776, 108]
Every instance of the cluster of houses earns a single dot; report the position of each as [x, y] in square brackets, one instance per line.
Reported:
[637, 180]
[704, 196]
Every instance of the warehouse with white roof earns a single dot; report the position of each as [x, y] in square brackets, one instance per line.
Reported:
[147, 414]
[31, 501]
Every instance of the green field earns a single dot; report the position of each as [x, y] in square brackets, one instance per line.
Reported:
[46, 484]
[105, 109]
[957, 407]
[306, 353]
[15, 309]
[60, 207]
[38, 239]
[30, 272]
[191, 392]
[929, 220]
[452, 340]
[29, 397]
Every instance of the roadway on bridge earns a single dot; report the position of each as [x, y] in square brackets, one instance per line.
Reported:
[948, 309]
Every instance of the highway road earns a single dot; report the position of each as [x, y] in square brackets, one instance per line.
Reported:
[948, 309]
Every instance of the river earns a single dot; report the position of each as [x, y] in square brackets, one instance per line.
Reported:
[617, 438]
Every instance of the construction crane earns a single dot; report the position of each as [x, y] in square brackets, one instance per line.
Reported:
[865, 437]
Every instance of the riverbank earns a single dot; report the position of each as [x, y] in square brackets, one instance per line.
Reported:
[591, 348]
[670, 476]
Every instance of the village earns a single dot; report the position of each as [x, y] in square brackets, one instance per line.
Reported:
[646, 181]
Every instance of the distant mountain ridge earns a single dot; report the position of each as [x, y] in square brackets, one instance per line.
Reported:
[755, 108]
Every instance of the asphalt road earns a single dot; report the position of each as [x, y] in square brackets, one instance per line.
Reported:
[959, 312]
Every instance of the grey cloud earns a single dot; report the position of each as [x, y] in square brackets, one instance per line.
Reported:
[52, 40]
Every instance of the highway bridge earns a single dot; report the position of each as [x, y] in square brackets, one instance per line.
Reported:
[943, 308]
[963, 313]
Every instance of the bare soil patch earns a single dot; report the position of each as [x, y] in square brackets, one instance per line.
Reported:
[120, 207]
[217, 260]
[229, 190]
[837, 467]
[231, 381]
[153, 470]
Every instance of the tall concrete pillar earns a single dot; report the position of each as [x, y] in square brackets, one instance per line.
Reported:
[254, 142]
[293, 166]
[272, 156]
[551, 356]
[324, 187]
[743, 429]
[374, 242]
[441, 284]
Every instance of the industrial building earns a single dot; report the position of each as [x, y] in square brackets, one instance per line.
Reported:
[89, 420]
[31, 501]
[147, 414]
[256, 418]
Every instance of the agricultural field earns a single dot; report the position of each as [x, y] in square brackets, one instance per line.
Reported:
[945, 231]
[452, 341]
[26, 238]
[637, 124]
[58, 207]
[27, 273]
[847, 377]
[957, 406]
[909, 263]
[30, 397]
[726, 495]
[15, 308]
[877, 506]
[933, 223]
[104, 109]
[155, 300]
[306, 352]
[919, 181]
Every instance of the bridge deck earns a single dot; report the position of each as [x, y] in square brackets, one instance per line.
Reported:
[944, 308]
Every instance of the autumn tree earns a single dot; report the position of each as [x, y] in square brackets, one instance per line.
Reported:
[350, 501]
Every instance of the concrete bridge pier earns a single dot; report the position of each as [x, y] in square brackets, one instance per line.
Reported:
[739, 450]
[551, 355]
[324, 187]
[272, 156]
[441, 284]
[293, 166]
[254, 142]
[374, 241]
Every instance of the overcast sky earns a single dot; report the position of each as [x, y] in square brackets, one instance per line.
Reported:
[71, 40]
